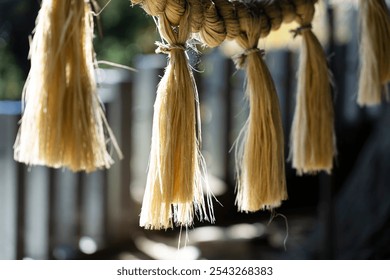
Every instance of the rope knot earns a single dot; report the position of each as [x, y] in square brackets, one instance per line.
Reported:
[300, 29]
[168, 48]
[240, 59]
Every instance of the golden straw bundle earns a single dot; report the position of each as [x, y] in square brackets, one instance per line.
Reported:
[261, 177]
[173, 191]
[312, 138]
[63, 123]
[374, 52]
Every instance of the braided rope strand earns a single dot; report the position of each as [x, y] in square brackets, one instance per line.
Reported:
[217, 20]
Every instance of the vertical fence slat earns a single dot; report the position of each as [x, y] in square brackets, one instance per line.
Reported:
[214, 91]
[92, 212]
[36, 227]
[8, 190]
[20, 208]
[144, 93]
[117, 178]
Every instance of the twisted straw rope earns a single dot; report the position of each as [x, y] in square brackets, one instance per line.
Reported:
[219, 20]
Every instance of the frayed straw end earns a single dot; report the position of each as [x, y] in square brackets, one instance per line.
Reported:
[260, 158]
[174, 193]
[374, 52]
[63, 123]
[312, 139]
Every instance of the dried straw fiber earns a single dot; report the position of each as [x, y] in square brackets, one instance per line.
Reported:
[374, 52]
[63, 123]
[174, 193]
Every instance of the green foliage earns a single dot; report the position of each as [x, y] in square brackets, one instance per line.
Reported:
[11, 78]
[16, 22]
[121, 32]
[125, 32]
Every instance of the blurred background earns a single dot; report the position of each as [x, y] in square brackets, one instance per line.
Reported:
[56, 214]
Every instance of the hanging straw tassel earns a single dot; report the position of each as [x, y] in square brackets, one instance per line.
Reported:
[260, 158]
[313, 140]
[63, 123]
[173, 191]
[374, 52]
